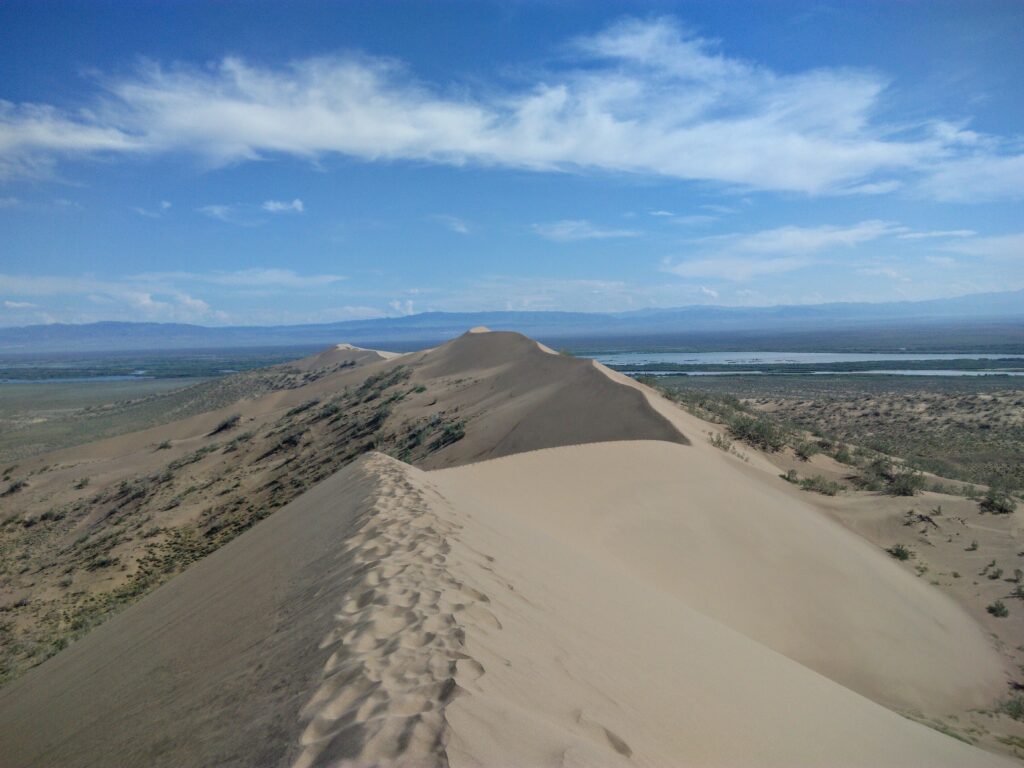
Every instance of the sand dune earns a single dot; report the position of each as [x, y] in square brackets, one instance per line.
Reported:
[340, 354]
[386, 617]
[581, 580]
[694, 527]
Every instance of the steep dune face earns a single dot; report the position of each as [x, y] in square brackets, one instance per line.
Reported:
[520, 397]
[391, 616]
[323, 634]
[691, 525]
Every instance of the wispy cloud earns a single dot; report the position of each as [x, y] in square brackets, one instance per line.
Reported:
[278, 206]
[9, 202]
[225, 213]
[249, 278]
[154, 213]
[738, 268]
[938, 233]
[158, 296]
[454, 223]
[568, 230]
[742, 257]
[1000, 247]
[642, 96]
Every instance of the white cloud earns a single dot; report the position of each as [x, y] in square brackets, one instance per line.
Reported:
[938, 233]
[454, 223]
[889, 272]
[980, 177]
[223, 213]
[154, 213]
[741, 257]
[401, 307]
[709, 292]
[641, 97]
[167, 296]
[809, 239]
[278, 206]
[737, 267]
[568, 230]
[9, 202]
[1000, 247]
[247, 278]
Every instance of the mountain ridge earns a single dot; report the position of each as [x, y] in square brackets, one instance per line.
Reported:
[992, 313]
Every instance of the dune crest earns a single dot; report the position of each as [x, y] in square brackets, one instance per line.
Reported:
[390, 617]
[399, 640]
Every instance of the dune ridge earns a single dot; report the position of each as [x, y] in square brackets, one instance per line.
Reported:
[399, 641]
[570, 582]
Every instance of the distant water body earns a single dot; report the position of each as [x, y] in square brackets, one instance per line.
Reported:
[778, 358]
[888, 363]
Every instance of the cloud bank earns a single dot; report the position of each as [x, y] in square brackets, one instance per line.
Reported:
[641, 97]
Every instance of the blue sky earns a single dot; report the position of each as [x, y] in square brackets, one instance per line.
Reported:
[253, 163]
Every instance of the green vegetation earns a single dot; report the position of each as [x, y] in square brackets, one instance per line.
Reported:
[14, 487]
[819, 484]
[997, 502]
[102, 551]
[900, 552]
[758, 432]
[881, 474]
[969, 429]
[226, 424]
[998, 609]
[1013, 707]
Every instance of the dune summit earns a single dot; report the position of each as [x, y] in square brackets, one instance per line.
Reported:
[572, 582]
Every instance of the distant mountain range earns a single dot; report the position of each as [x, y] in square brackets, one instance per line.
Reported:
[980, 322]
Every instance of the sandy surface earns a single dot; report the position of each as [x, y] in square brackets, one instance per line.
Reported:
[582, 580]
[388, 616]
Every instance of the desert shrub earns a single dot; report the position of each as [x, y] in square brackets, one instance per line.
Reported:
[997, 502]
[791, 476]
[900, 552]
[164, 445]
[998, 609]
[842, 454]
[905, 484]
[882, 475]
[819, 484]
[302, 407]
[451, 433]
[81, 482]
[193, 457]
[805, 449]
[758, 432]
[1013, 707]
[720, 441]
[229, 423]
[995, 573]
[973, 547]
[14, 487]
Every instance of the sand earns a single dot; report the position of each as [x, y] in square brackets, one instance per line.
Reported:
[582, 580]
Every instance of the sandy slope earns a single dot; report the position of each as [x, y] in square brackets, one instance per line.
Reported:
[340, 354]
[610, 589]
[392, 615]
[694, 527]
